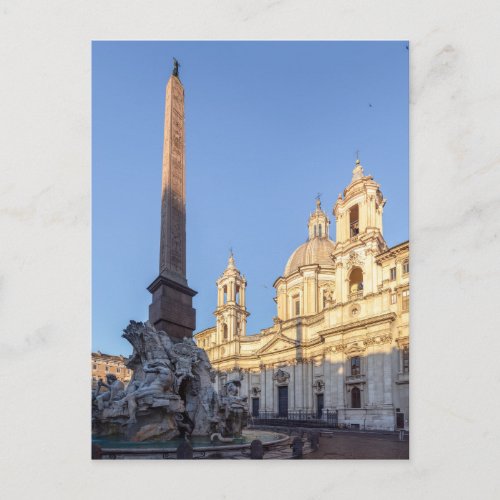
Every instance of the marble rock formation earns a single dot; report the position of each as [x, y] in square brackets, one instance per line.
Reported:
[170, 393]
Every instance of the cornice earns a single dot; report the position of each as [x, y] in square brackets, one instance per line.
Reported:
[374, 320]
[393, 252]
[206, 330]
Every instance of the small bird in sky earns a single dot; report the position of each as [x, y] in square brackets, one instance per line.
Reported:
[369, 104]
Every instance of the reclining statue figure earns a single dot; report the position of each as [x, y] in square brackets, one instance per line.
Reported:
[115, 391]
[158, 382]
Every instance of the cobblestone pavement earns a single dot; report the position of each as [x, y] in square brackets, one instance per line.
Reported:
[360, 445]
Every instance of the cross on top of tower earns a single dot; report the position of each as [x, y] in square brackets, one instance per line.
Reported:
[318, 201]
[357, 156]
[230, 262]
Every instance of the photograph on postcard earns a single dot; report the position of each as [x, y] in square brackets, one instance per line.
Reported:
[250, 250]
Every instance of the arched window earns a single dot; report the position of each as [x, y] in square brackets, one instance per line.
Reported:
[225, 294]
[354, 221]
[225, 332]
[355, 398]
[356, 281]
[320, 231]
[237, 298]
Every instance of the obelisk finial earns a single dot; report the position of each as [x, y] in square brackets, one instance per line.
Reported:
[175, 71]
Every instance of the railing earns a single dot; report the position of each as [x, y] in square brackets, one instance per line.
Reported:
[297, 418]
[356, 295]
[355, 379]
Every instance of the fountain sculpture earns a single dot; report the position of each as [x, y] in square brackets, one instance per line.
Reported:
[170, 393]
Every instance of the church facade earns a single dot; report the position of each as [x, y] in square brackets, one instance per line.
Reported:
[339, 344]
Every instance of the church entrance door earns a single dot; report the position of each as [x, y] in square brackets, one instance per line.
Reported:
[319, 405]
[255, 407]
[283, 401]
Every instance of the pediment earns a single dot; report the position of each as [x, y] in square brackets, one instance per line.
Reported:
[278, 343]
[355, 348]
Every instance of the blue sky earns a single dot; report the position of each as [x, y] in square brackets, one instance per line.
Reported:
[268, 126]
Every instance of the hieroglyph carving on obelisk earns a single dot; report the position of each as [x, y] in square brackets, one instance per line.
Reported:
[173, 204]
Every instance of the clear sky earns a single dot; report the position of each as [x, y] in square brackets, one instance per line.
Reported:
[269, 125]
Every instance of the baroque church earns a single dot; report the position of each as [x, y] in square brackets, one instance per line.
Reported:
[338, 348]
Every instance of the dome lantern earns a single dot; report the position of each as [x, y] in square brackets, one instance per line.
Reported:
[319, 224]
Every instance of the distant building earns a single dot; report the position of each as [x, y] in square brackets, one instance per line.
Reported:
[340, 340]
[102, 364]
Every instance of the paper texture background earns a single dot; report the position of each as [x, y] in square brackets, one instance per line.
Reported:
[45, 249]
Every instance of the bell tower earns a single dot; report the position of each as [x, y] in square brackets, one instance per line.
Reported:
[231, 312]
[359, 212]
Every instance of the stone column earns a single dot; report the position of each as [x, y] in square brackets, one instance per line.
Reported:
[339, 283]
[242, 295]
[368, 278]
[299, 401]
[327, 371]
[310, 385]
[378, 375]
[341, 381]
[370, 375]
[387, 375]
[269, 388]
[291, 388]
[263, 388]
[305, 297]
[307, 388]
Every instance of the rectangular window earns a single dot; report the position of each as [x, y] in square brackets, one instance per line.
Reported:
[406, 359]
[107, 368]
[393, 273]
[355, 365]
[406, 300]
[296, 306]
[393, 298]
[118, 370]
[406, 267]
[94, 367]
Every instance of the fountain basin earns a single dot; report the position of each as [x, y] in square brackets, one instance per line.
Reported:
[112, 447]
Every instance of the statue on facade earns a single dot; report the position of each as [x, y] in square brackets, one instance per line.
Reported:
[281, 376]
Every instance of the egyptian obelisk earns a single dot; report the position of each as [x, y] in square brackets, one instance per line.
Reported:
[171, 309]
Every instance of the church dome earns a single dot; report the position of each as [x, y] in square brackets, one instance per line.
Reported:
[313, 251]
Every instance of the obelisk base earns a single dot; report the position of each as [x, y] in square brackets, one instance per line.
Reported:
[172, 308]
